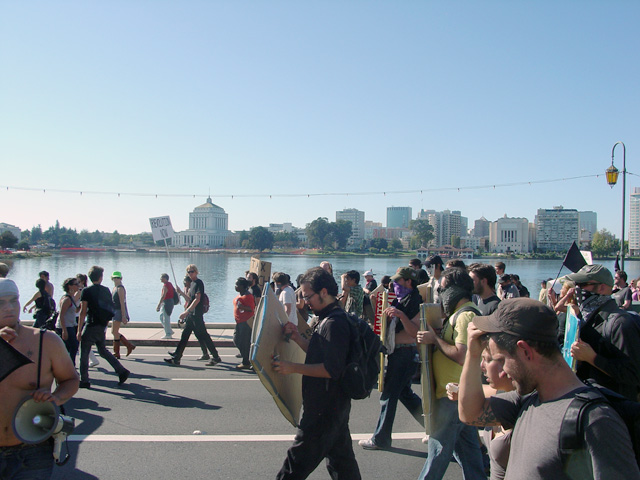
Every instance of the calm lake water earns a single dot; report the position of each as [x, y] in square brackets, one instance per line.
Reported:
[141, 274]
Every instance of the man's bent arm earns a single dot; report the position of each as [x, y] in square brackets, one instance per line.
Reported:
[473, 407]
[317, 370]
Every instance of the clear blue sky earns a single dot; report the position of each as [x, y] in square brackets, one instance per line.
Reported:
[289, 97]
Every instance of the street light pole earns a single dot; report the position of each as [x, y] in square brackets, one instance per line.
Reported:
[624, 187]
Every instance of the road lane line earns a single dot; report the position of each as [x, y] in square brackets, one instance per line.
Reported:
[219, 438]
[196, 379]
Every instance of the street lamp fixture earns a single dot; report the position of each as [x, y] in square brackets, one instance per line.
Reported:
[612, 178]
[612, 175]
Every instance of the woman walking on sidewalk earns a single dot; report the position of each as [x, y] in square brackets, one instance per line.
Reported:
[121, 316]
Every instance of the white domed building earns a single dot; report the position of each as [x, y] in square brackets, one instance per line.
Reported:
[208, 225]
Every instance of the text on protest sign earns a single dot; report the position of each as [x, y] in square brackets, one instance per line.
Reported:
[161, 228]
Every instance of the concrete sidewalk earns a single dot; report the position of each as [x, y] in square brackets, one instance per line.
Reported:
[150, 334]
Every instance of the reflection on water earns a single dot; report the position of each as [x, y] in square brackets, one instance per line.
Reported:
[141, 274]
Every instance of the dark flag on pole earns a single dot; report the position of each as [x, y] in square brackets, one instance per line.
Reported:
[574, 260]
[10, 359]
[616, 267]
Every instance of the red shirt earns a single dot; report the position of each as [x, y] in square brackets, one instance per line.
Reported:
[170, 290]
[246, 300]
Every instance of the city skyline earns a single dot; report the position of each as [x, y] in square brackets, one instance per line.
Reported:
[286, 112]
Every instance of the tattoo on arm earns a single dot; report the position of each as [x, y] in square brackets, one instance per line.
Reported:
[486, 418]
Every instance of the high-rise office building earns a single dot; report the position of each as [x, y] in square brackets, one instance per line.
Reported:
[356, 217]
[557, 228]
[634, 222]
[398, 217]
[446, 224]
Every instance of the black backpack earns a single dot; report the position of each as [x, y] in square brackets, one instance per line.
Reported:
[360, 374]
[572, 429]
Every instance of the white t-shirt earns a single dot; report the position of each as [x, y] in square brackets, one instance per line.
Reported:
[287, 295]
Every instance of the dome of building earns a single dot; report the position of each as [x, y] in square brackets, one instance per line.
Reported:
[209, 206]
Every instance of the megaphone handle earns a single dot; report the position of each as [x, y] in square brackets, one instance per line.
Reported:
[57, 448]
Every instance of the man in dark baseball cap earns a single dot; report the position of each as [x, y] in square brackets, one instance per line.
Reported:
[609, 342]
[522, 339]
[524, 318]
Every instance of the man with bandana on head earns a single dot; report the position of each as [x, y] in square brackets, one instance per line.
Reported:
[449, 436]
[609, 336]
[404, 317]
[19, 362]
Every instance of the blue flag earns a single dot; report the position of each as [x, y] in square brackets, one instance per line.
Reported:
[10, 359]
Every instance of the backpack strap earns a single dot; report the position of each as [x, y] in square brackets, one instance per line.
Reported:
[468, 308]
[572, 428]
[42, 330]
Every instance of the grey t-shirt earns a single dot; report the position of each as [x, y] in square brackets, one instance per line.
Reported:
[535, 450]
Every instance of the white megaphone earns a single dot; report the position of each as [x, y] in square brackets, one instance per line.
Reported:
[34, 422]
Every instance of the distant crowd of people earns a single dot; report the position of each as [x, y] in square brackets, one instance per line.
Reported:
[498, 365]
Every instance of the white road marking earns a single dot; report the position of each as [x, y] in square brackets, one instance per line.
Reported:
[220, 438]
[251, 379]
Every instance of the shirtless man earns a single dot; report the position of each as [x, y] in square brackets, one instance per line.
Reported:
[18, 460]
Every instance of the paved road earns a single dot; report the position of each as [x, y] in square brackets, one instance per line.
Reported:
[144, 430]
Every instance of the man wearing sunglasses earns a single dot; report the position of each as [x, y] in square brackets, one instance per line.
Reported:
[609, 336]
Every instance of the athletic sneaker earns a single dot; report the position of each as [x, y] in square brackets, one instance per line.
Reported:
[369, 445]
[172, 361]
[167, 337]
[94, 363]
[204, 357]
[242, 366]
[213, 362]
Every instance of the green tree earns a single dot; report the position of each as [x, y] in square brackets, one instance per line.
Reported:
[604, 243]
[317, 231]
[36, 234]
[23, 245]
[260, 239]
[455, 241]
[8, 240]
[112, 240]
[396, 244]
[422, 231]
[341, 231]
[286, 239]
[379, 243]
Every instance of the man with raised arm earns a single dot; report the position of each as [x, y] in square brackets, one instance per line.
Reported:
[19, 360]
[522, 336]
[324, 427]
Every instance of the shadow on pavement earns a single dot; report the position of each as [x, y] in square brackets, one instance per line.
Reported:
[407, 452]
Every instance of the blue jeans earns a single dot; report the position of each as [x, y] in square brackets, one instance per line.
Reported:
[165, 316]
[26, 462]
[449, 436]
[397, 386]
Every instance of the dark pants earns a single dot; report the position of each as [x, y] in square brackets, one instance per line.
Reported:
[319, 437]
[94, 335]
[41, 317]
[71, 342]
[242, 340]
[401, 366]
[196, 325]
[26, 462]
